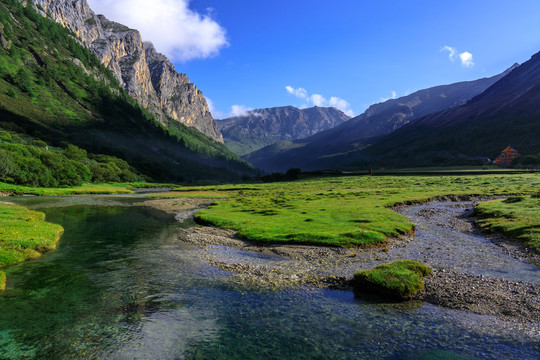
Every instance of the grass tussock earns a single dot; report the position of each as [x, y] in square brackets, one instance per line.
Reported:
[24, 234]
[401, 279]
[343, 211]
[516, 216]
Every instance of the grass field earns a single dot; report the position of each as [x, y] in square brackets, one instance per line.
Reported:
[24, 234]
[111, 188]
[518, 217]
[338, 211]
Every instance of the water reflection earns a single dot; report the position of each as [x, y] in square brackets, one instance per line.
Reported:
[121, 286]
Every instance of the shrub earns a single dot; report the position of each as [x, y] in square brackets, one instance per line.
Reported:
[401, 279]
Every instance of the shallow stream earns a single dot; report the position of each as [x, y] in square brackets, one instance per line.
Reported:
[122, 286]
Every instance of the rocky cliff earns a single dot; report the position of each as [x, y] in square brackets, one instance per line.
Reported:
[147, 76]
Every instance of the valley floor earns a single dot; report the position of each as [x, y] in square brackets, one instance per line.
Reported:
[471, 273]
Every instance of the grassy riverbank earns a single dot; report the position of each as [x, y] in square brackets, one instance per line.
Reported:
[517, 217]
[109, 188]
[339, 211]
[24, 234]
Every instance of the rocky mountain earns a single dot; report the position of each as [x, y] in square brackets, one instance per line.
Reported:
[56, 93]
[147, 76]
[334, 147]
[507, 113]
[262, 127]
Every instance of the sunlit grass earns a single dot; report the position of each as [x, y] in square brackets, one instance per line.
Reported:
[24, 234]
[343, 211]
[401, 279]
[518, 217]
[111, 188]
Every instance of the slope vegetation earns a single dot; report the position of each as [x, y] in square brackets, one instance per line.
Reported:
[507, 113]
[55, 90]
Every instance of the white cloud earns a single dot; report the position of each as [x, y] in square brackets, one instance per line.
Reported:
[215, 112]
[236, 110]
[176, 30]
[394, 96]
[465, 57]
[451, 52]
[342, 105]
[239, 110]
[320, 100]
[300, 93]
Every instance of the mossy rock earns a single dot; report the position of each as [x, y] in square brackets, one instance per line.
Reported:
[400, 280]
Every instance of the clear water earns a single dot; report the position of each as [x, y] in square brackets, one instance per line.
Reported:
[121, 286]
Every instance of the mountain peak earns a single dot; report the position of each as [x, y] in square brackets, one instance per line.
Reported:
[262, 127]
[148, 76]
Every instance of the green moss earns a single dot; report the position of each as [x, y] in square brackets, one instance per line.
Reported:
[401, 279]
[24, 234]
[516, 216]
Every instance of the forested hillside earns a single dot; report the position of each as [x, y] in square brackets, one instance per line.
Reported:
[55, 90]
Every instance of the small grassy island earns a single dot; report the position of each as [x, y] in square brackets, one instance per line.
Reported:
[400, 279]
[517, 217]
[24, 234]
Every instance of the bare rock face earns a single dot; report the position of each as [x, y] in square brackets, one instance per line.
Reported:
[147, 76]
[177, 96]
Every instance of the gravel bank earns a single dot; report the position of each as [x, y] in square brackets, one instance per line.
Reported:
[494, 276]
[484, 295]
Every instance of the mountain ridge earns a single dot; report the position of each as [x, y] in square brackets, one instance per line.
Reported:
[56, 92]
[507, 113]
[331, 148]
[122, 50]
[262, 127]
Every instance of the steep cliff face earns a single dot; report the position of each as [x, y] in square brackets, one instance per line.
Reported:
[147, 76]
[177, 96]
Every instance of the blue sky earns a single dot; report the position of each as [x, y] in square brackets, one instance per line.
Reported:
[348, 53]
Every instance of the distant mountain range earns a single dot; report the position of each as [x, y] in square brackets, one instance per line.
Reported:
[262, 127]
[348, 142]
[507, 113]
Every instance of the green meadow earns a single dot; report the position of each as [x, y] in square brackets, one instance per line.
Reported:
[517, 217]
[339, 211]
[85, 189]
[24, 234]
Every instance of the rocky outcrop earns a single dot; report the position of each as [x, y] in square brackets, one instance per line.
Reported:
[177, 96]
[147, 76]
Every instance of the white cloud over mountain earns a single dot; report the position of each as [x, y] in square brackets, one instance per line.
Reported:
[320, 100]
[175, 29]
[466, 58]
[236, 110]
